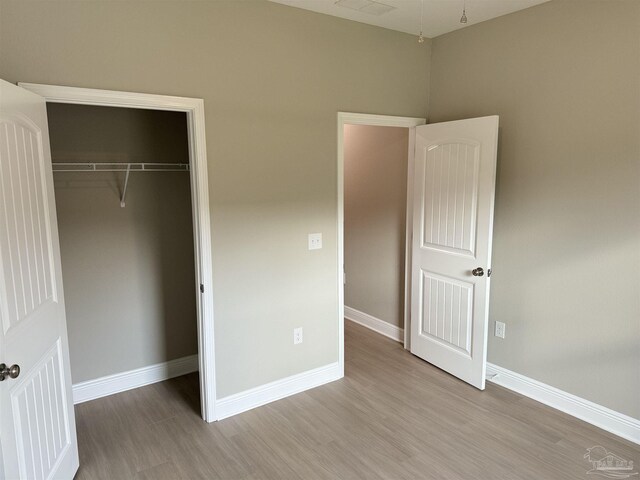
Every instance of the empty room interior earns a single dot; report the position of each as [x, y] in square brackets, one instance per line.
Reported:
[319, 239]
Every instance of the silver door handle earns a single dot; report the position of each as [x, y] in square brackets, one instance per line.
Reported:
[13, 371]
[478, 272]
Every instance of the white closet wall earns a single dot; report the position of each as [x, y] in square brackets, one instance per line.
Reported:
[128, 272]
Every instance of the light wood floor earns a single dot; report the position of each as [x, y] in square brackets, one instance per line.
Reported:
[393, 416]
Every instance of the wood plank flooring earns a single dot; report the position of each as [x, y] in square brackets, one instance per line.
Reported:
[393, 416]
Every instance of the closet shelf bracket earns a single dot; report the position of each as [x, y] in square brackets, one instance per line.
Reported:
[124, 189]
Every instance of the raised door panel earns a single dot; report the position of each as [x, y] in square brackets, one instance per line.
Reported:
[450, 198]
[446, 307]
[40, 417]
[26, 253]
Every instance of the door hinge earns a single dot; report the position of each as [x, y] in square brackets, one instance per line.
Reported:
[489, 273]
[201, 288]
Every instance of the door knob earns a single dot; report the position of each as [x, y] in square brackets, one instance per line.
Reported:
[477, 272]
[13, 371]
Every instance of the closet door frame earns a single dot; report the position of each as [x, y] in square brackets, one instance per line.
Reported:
[194, 108]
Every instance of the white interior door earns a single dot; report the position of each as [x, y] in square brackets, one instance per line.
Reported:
[454, 185]
[37, 422]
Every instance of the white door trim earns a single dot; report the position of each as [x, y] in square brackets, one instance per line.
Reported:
[194, 108]
[346, 118]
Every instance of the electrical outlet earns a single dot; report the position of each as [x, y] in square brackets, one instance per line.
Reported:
[297, 335]
[315, 241]
[500, 328]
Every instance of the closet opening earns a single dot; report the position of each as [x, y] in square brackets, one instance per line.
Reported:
[131, 192]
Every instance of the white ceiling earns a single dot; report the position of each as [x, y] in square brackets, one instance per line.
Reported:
[440, 16]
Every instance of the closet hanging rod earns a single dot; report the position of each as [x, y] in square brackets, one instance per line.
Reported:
[119, 167]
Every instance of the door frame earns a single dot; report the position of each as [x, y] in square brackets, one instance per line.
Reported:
[194, 108]
[347, 118]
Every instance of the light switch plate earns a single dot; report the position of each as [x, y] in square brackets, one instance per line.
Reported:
[315, 241]
[500, 329]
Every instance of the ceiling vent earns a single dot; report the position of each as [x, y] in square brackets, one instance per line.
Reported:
[365, 6]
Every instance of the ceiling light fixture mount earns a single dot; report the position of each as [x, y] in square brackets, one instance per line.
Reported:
[463, 18]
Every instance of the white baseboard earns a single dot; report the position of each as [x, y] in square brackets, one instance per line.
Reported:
[256, 397]
[375, 324]
[119, 382]
[603, 417]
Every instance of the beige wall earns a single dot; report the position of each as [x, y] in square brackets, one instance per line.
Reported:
[565, 79]
[129, 279]
[272, 79]
[375, 201]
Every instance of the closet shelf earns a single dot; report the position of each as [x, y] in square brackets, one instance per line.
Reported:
[120, 167]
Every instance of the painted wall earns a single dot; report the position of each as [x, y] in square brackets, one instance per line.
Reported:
[565, 80]
[272, 78]
[375, 204]
[128, 273]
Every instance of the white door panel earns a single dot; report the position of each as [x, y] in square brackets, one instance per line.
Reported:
[450, 199]
[454, 184]
[36, 410]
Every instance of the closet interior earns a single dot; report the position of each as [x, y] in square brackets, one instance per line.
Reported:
[124, 212]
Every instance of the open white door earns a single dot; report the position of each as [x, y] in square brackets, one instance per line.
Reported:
[454, 185]
[37, 423]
